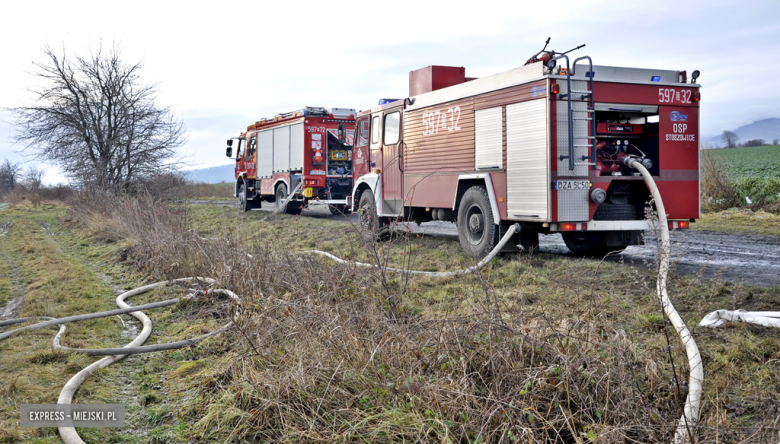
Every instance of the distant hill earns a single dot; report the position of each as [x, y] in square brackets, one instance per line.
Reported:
[217, 174]
[767, 129]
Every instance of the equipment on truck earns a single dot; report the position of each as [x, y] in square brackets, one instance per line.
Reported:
[312, 145]
[549, 145]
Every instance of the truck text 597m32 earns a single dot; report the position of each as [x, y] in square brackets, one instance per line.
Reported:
[546, 145]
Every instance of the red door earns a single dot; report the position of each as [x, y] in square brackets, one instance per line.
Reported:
[392, 163]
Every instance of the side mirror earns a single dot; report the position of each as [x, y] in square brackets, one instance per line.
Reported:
[230, 142]
[342, 133]
[229, 151]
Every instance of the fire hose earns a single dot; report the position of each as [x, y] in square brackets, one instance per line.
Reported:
[692, 407]
[69, 434]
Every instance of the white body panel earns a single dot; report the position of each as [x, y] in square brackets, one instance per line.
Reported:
[527, 160]
[296, 147]
[281, 149]
[488, 143]
[265, 154]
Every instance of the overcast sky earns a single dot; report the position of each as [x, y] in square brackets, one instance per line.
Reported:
[222, 65]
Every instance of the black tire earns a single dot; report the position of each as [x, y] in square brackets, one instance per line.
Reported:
[607, 211]
[243, 204]
[583, 243]
[372, 227]
[293, 208]
[477, 231]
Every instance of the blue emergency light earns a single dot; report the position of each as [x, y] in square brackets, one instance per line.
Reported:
[656, 78]
[386, 101]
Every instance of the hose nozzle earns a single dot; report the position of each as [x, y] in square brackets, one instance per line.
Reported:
[629, 161]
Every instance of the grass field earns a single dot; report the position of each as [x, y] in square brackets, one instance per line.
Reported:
[759, 162]
[532, 349]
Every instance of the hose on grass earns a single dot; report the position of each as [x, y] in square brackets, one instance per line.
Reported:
[720, 317]
[507, 236]
[69, 434]
[692, 409]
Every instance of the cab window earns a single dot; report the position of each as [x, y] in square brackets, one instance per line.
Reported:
[362, 139]
[238, 149]
[252, 147]
[392, 128]
[375, 130]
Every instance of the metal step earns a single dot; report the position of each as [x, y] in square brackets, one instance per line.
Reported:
[581, 92]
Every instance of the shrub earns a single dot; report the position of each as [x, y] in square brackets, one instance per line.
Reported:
[761, 191]
[717, 191]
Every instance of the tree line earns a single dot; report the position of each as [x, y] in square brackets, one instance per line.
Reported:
[731, 140]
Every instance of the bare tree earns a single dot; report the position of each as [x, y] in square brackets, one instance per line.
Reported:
[96, 119]
[33, 178]
[776, 142]
[9, 175]
[730, 139]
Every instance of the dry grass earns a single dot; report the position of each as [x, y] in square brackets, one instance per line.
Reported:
[210, 190]
[539, 349]
[717, 189]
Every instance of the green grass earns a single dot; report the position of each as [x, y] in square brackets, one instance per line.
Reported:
[759, 162]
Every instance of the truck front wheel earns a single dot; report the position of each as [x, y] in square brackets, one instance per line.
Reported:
[372, 227]
[477, 230]
[243, 203]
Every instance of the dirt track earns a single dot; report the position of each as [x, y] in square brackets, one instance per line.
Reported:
[743, 258]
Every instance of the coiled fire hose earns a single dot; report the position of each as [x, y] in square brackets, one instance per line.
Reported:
[69, 434]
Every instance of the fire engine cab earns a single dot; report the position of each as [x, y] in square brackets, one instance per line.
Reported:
[312, 145]
[547, 145]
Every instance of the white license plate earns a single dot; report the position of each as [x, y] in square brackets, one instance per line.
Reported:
[571, 185]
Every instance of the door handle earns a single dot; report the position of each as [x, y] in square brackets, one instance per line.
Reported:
[401, 149]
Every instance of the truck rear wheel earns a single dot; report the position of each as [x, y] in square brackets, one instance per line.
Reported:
[594, 243]
[372, 227]
[294, 208]
[477, 230]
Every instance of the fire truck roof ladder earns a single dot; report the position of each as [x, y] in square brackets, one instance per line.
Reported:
[591, 108]
[588, 94]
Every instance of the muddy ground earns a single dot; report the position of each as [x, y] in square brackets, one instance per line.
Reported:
[743, 258]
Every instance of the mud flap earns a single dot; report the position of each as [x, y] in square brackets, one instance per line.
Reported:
[528, 239]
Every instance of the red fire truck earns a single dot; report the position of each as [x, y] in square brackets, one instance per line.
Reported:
[274, 155]
[545, 145]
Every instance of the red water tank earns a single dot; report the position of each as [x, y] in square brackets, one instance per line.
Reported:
[435, 77]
